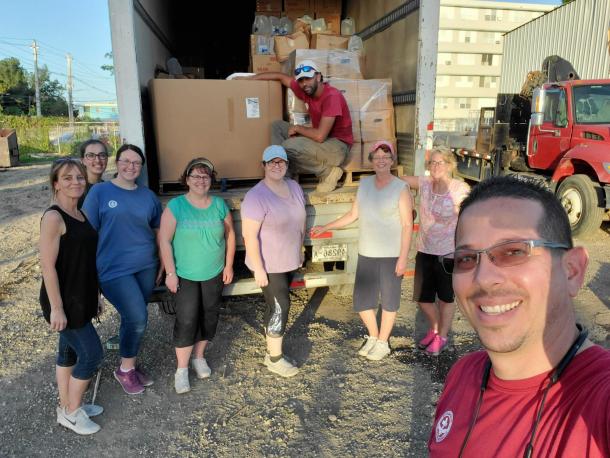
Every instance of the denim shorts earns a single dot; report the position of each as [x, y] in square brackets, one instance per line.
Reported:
[82, 349]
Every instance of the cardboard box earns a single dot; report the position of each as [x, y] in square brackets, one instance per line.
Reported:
[284, 45]
[377, 125]
[264, 63]
[354, 158]
[355, 115]
[349, 89]
[327, 6]
[298, 5]
[343, 64]
[318, 56]
[375, 95]
[229, 122]
[333, 22]
[264, 6]
[366, 149]
[262, 44]
[328, 41]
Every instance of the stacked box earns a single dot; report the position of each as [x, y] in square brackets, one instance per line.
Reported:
[333, 22]
[353, 161]
[262, 55]
[327, 6]
[355, 115]
[376, 125]
[328, 41]
[343, 64]
[284, 45]
[319, 57]
[269, 7]
[349, 89]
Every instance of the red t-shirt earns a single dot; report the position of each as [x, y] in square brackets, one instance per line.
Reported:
[330, 104]
[575, 420]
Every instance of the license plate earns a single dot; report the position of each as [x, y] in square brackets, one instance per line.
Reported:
[332, 252]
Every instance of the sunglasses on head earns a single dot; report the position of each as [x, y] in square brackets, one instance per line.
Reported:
[304, 68]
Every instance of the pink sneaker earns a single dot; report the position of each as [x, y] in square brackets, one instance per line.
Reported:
[143, 377]
[427, 340]
[437, 345]
[129, 381]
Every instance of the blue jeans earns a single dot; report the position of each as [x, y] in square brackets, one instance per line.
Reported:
[82, 349]
[129, 294]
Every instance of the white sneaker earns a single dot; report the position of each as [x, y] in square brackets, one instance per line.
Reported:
[181, 381]
[281, 367]
[368, 345]
[78, 421]
[201, 367]
[379, 351]
[92, 410]
[329, 182]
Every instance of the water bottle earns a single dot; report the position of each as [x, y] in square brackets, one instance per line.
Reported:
[355, 44]
[347, 26]
[275, 25]
[261, 26]
[285, 26]
[318, 25]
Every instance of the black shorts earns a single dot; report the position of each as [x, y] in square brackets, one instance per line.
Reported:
[375, 278]
[431, 281]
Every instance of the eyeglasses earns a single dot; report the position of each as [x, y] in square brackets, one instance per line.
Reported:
[100, 156]
[504, 254]
[277, 163]
[126, 163]
[303, 68]
[200, 177]
[436, 163]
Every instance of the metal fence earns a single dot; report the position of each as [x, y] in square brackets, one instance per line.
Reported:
[65, 138]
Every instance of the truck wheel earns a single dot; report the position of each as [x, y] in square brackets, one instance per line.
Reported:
[579, 198]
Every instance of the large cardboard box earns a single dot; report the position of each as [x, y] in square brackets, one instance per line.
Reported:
[377, 125]
[353, 161]
[298, 5]
[229, 122]
[375, 95]
[349, 89]
[355, 115]
[328, 41]
[262, 44]
[343, 64]
[265, 6]
[327, 6]
[9, 149]
[264, 63]
[284, 45]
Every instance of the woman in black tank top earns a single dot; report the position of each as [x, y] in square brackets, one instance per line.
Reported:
[69, 295]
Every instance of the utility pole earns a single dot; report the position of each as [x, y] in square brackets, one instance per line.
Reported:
[69, 88]
[37, 86]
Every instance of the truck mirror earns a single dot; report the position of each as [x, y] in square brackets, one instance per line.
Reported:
[538, 100]
[537, 119]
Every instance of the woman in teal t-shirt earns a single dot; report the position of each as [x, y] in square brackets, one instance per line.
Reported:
[197, 245]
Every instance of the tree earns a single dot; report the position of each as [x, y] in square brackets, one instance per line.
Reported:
[106, 67]
[52, 102]
[13, 86]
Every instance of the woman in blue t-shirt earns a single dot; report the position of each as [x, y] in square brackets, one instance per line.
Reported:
[197, 245]
[127, 217]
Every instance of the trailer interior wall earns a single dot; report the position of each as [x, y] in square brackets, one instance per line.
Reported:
[577, 31]
[397, 52]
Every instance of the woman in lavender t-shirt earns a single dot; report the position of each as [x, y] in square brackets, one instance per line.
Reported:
[439, 202]
[273, 227]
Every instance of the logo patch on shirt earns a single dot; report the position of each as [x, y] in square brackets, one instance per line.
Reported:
[112, 203]
[444, 426]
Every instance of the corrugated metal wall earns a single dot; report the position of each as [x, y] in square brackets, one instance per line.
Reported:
[577, 32]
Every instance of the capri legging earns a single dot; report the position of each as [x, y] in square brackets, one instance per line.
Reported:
[277, 299]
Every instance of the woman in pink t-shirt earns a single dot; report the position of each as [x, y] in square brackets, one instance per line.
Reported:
[440, 197]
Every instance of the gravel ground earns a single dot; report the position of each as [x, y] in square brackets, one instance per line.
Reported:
[339, 405]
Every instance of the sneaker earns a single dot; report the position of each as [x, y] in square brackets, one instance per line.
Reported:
[281, 367]
[427, 340]
[367, 346]
[201, 367]
[129, 381]
[379, 351]
[92, 410]
[437, 345]
[181, 381]
[77, 421]
[329, 182]
[143, 377]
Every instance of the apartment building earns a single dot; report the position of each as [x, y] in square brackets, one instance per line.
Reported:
[470, 56]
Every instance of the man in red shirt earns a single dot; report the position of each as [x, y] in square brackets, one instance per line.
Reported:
[540, 388]
[322, 148]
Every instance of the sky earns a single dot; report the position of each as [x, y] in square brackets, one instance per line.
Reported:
[78, 27]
